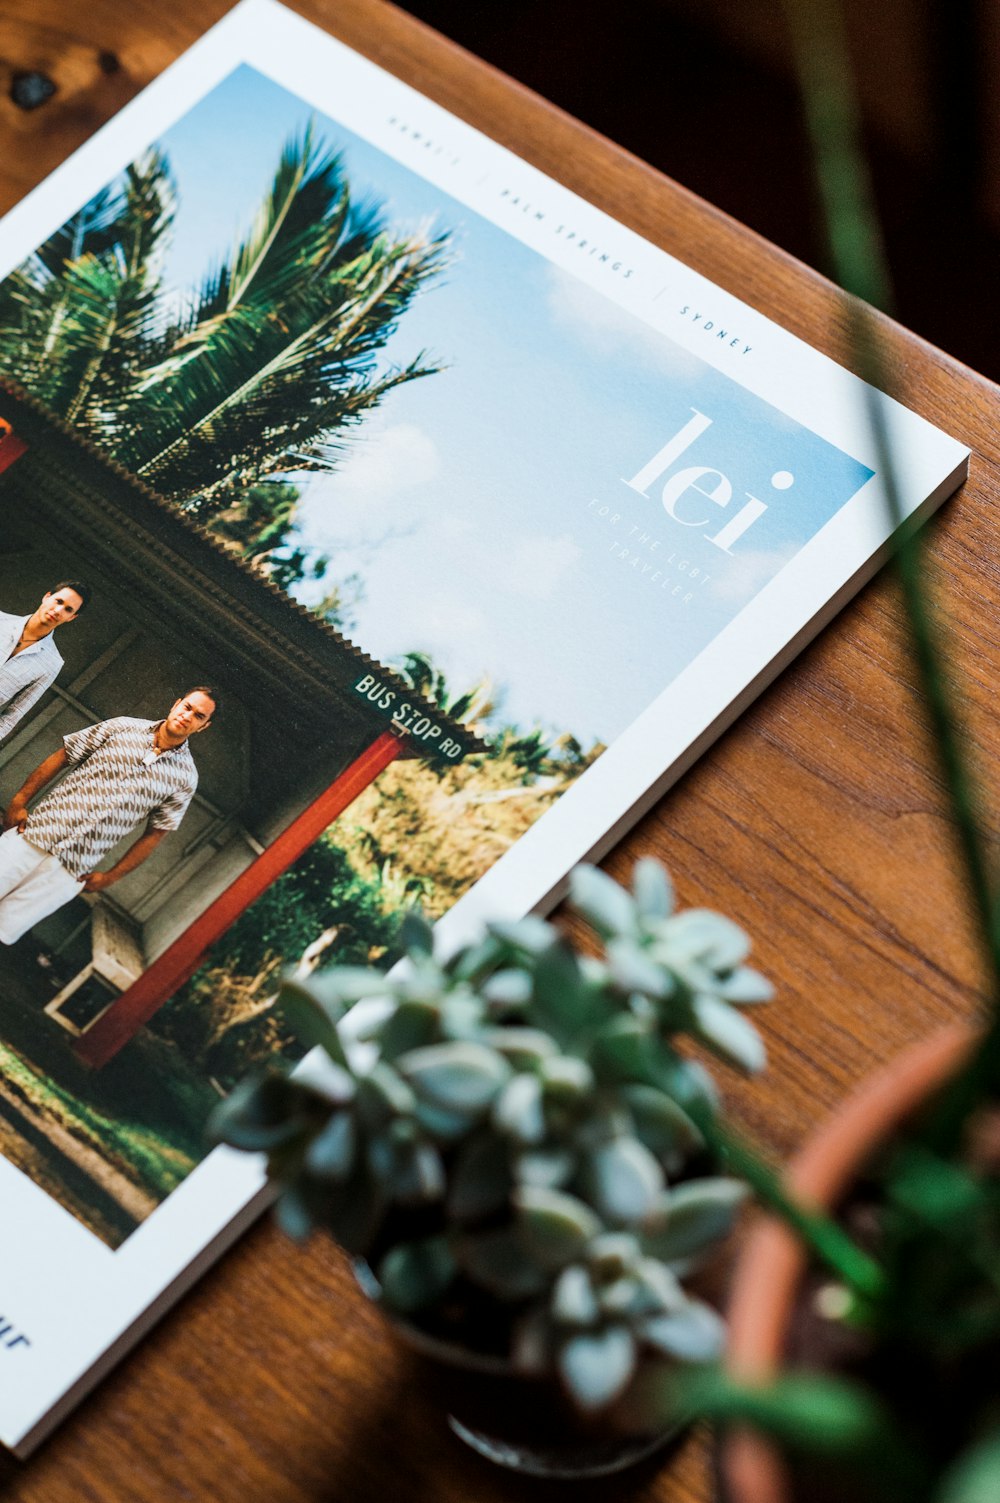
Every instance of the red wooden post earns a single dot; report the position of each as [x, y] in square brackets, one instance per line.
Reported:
[123, 1019]
[11, 447]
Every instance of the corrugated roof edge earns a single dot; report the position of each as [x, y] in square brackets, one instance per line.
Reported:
[24, 398]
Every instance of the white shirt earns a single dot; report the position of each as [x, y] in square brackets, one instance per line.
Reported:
[23, 679]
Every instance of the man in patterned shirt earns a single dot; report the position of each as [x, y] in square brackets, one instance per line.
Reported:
[121, 773]
[29, 659]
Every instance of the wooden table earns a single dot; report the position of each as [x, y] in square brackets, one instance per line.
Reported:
[814, 823]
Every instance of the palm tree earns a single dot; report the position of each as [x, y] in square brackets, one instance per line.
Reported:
[78, 318]
[467, 706]
[265, 368]
[535, 754]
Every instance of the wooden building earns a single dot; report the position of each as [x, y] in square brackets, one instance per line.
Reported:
[307, 718]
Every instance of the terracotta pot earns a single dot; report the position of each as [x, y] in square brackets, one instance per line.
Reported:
[773, 1264]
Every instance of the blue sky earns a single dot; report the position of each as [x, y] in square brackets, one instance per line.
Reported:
[485, 506]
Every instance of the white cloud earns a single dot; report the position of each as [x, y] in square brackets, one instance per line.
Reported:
[450, 620]
[389, 460]
[537, 565]
[451, 527]
[606, 329]
[749, 572]
[370, 490]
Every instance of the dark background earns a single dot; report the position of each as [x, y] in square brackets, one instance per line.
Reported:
[705, 91]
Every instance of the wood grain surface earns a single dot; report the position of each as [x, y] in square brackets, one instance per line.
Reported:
[815, 822]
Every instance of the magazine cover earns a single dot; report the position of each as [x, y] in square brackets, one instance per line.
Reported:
[379, 523]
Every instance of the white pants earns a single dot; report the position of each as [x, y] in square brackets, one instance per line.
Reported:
[33, 884]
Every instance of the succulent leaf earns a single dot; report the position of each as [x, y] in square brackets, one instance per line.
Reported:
[462, 1015]
[619, 1300]
[611, 1254]
[533, 935]
[687, 1082]
[745, 986]
[415, 1274]
[563, 995]
[729, 1033]
[444, 1127]
[565, 1078]
[597, 1367]
[319, 1073]
[545, 1168]
[419, 980]
[311, 1021]
[481, 1179]
[624, 1181]
[661, 1124]
[356, 1215]
[416, 934]
[574, 1302]
[623, 1050]
[633, 970]
[692, 1217]
[658, 1289]
[331, 1154]
[519, 1109]
[653, 890]
[508, 988]
[554, 1227]
[459, 1076]
[523, 1047]
[293, 1214]
[260, 1115]
[700, 934]
[382, 1095]
[418, 1175]
[693, 1334]
[475, 962]
[342, 986]
[412, 1025]
[605, 905]
[497, 1261]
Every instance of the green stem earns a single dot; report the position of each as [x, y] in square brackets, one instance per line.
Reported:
[827, 1241]
[834, 127]
[981, 1076]
[860, 266]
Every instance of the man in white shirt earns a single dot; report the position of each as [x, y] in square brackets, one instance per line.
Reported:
[29, 659]
[119, 774]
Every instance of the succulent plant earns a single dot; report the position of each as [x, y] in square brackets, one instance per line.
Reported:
[512, 1126]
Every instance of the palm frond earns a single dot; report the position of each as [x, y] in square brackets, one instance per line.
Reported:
[75, 317]
[264, 370]
[265, 384]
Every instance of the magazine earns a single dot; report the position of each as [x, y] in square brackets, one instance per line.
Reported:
[379, 523]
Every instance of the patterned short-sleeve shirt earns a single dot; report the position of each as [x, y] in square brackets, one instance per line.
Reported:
[117, 780]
